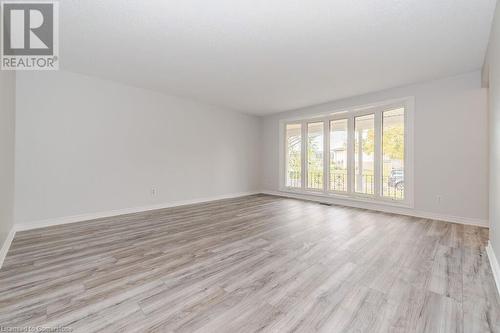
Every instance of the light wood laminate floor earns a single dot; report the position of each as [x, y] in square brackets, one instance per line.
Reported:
[256, 263]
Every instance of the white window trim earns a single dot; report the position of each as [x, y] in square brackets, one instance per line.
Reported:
[349, 113]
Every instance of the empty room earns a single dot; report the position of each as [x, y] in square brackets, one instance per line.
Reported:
[250, 166]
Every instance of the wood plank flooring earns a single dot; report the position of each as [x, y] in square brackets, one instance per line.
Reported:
[256, 263]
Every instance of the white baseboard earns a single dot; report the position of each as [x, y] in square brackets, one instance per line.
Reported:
[385, 208]
[495, 268]
[92, 216]
[6, 245]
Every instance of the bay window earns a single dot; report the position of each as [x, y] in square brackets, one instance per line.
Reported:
[362, 153]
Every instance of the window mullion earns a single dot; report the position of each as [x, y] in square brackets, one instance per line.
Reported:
[378, 158]
[326, 155]
[350, 155]
[303, 154]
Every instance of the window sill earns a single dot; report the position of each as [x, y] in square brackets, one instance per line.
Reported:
[336, 198]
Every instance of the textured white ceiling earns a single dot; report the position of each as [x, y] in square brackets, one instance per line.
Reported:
[264, 56]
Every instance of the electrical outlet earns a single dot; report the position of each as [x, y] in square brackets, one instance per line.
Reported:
[438, 199]
[153, 192]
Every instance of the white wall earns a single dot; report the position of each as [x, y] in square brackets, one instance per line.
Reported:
[86, 145]
[7, 127]
[450, 145]
[494, 121]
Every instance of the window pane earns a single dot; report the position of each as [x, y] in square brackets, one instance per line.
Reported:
[293, 155]
[393, 152]
[364, 145]
[315, 155]
[338, 155]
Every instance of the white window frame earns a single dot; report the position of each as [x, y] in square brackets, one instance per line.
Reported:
[349, 113]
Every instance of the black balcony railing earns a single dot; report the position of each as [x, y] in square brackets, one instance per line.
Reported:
[338, 181]
[315, 180]
[293, 179]
[365, 183]
[393, 188]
